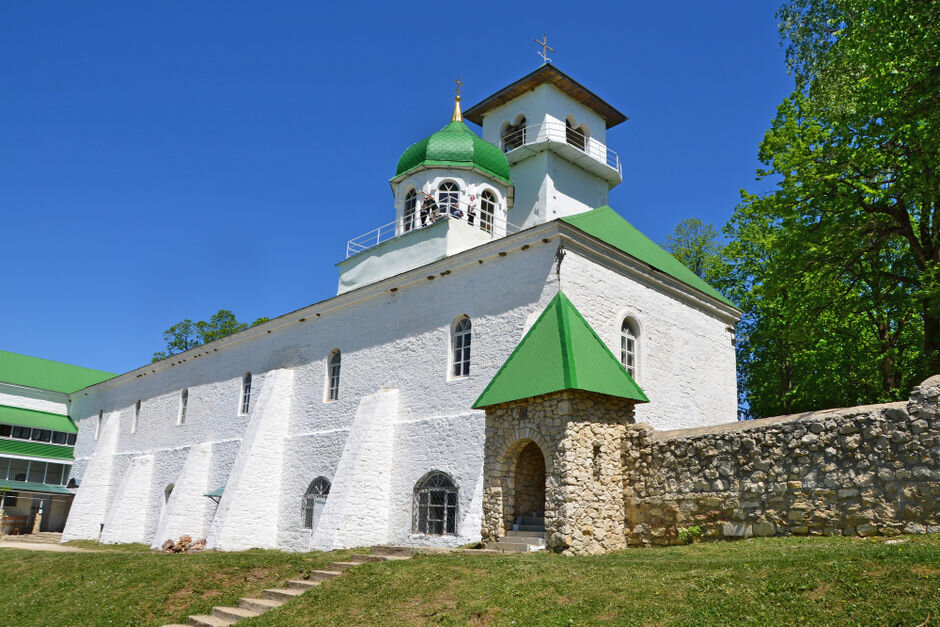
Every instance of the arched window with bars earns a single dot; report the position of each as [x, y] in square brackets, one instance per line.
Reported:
[628, 346]
[244, 403]
[332, 380]
[314, 501]
[435, 505]
[488, 206]
[448, 197]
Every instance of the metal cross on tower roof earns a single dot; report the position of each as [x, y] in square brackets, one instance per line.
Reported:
[459, 85]
[545, 48]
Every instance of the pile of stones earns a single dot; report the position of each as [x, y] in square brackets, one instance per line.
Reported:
[184, 545]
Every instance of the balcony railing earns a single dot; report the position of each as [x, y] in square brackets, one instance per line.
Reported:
[494, 228]
[553, 131]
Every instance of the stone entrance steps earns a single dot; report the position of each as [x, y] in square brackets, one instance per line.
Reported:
[528, 534]
[275, 597]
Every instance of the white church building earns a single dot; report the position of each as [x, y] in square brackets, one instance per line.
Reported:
[349, 422]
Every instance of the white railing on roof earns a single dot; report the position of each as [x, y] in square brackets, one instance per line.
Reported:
[497, 228]
[555, 131]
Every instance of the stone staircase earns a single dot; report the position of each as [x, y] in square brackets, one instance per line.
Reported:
[528, 534]
[275, 597]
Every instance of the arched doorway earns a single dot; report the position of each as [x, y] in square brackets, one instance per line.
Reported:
[529, 483]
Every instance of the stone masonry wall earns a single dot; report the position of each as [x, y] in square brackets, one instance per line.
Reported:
[859, 471]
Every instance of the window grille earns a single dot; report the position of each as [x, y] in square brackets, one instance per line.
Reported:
[184, 402]
[487, 211]
[411, 203]
[314, 501]
[462, 348]
[246, 394]
[448, 197]
[628, 347]
[435, 505]
[335, 362]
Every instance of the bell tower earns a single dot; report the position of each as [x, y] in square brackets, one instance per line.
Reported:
[553, 131]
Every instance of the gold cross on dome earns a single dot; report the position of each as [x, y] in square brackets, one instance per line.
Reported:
[545, 48]
[459, 85]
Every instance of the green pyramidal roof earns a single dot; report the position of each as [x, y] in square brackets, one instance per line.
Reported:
[44, 374]
[455, 145]
[608, 226]
[560, 352]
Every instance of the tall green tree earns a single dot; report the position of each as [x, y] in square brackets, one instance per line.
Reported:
[187, 334]
[696, 246]
[838, 268]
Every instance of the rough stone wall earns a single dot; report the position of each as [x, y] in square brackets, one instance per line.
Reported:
[581, 435]
[859, 471]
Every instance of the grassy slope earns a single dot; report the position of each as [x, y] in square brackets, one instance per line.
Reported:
[772, 581]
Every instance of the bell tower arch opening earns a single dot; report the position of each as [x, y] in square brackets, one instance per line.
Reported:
[529, 483]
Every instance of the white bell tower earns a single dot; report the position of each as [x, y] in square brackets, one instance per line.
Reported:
[553, 132]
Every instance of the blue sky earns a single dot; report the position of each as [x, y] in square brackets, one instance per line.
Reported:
[163, 160]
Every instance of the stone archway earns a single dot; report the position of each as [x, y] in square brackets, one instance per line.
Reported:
[529, 483]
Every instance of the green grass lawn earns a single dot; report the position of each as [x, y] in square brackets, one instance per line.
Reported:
[780, 581]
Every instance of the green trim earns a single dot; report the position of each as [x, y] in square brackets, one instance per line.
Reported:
[560, 352]
[35, 449]
[39, 419]
[608, 226]
[29, 486]
[44, 374]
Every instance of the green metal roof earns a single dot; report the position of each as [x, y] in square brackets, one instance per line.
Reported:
[29, 486]
[35, 449]
[455, 145]
[38, 419]
[560, 352]
[47, 375]
[216, 492]
[608, 226]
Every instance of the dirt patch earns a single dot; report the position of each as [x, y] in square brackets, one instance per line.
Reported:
[178, 600]
[925, 571]
[819, 591]
[876, 572]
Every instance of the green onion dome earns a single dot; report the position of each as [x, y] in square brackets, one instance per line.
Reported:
[455, 145]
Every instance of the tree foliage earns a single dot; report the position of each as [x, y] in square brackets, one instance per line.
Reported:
[696, 246]
[837, 269]
[187, 334]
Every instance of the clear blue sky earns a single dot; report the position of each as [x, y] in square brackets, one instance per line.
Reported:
[162, 160]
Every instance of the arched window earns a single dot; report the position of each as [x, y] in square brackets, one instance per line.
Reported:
[461, 347]
[574, 136]
[136, 417]
[411, 203]
[628, 346]
[332, 393]
[435, 505]
[245, 402]
[314, 501]
[448, 196]
[184, 402]
[487, 210]
[513, 135]
[98, 424]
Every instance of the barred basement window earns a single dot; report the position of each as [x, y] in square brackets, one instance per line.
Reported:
[333, 379]
[245, 403]
[314, 501]
[461, 346]
[487, 211]
[435, 505]
[628, 346]
[411, 203]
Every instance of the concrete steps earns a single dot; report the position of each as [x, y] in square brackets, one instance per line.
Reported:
[273, 598]
[527, 535]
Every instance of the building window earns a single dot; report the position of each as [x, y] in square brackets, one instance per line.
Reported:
[167, 492]
[333, 376]
[574, 136]
[461, 347]
[136, 417]
[314, 501]
[513, 136]
[184, 401]
[435, 505]
[244, 402]
[487, 210]
[448, 197]
[411, 204]
[628, 346]
[98, 424]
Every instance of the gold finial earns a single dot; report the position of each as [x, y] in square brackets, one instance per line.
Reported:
[458, 116]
